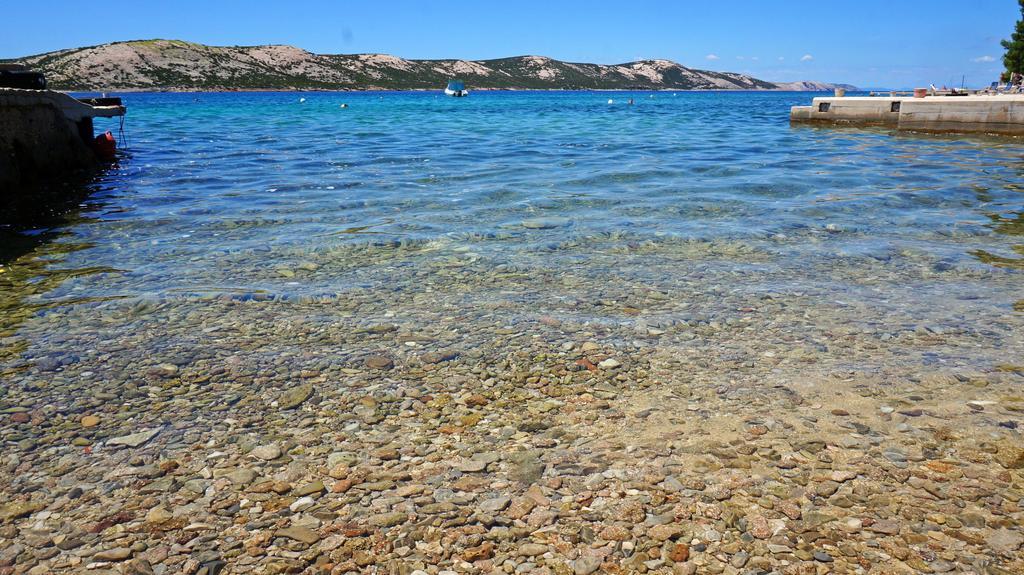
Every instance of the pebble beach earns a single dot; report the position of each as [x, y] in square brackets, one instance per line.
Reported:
[580, 338]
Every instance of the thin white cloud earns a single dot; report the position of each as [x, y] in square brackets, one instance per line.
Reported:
[755, 58]
[782, 58]
[983, 59]
[712, 57]
[806, 58]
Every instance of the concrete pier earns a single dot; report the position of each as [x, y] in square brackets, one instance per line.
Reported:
[985, 114]
[44, 136]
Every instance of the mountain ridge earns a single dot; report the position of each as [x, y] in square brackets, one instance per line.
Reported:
[177, 65]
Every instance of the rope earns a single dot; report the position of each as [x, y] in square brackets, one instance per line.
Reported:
[121, 134]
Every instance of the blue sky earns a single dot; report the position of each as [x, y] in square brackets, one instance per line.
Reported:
[870, 43]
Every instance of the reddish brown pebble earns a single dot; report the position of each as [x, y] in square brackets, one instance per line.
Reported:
[759, 528]
[480, 552]
[680, 552]
[614, 533]
[476, 400]
[354, 531]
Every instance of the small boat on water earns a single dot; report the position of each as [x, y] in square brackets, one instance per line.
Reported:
[456, 89]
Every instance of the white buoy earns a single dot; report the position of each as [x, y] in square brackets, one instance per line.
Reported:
[301, 100]
[611, 101]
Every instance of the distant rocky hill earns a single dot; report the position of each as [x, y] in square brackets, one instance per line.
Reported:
[808, 86]
[183, 66]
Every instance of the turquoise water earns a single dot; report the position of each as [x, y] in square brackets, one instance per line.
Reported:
[289, 197]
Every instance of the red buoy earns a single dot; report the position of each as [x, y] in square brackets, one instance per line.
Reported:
[105, 146]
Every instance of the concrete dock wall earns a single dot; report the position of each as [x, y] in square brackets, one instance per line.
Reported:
[867, 111]
[994, 114]
[966, 114]
[37, 140]
[44, 136]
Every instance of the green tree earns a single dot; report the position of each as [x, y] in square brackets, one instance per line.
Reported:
[1014, 57]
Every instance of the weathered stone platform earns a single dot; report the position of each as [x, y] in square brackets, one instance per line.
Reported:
[989, 114]
[44, 135]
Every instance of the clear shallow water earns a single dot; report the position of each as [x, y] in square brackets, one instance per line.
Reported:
[533, 203]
